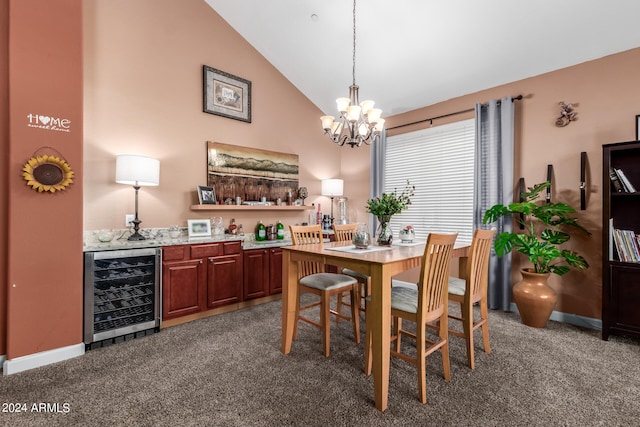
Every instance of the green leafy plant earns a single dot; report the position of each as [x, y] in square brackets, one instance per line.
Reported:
[541, 239]
[387, 205]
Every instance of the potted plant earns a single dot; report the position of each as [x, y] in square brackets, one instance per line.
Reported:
[387, 205]
[545, 230]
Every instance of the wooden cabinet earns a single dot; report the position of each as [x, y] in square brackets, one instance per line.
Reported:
[224, 277]
[184, 283]
[620, 210]
[262, 272]
[199, 277]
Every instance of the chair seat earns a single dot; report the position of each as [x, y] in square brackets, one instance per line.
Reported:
[457, 286]
[354, 273]
[403, 298]
[327, 281]
[395, 283]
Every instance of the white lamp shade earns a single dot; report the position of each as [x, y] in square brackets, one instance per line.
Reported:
[332, 187]
[342, 104]
[327, 122]
[137, 170]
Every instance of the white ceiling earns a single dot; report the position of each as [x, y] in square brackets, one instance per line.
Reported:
[414, 53]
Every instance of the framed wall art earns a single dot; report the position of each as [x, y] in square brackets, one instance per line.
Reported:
[638, 127]
[226, 95]
[199, 228]
[206, 195]
[251, 173]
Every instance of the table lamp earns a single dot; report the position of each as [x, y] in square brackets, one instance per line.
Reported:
[332, 188]
[137, 171]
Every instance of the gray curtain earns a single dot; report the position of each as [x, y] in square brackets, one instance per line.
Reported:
[494, 185]
[376, 186]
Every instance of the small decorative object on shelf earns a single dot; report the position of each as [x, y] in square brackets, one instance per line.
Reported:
[303, 194]
[407, 234]
[387, 205]
[567, 114]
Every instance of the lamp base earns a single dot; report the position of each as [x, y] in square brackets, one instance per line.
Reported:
[137, 236]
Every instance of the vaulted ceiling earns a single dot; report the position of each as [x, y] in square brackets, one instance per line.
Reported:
[414, 53]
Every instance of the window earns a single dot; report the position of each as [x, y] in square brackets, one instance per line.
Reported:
[439, 161]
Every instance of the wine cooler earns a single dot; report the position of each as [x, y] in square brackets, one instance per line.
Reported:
[121, 295]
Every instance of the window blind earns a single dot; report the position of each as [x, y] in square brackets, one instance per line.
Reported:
[439, 161]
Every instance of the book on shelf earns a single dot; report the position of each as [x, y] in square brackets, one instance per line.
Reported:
[615, 181]
[627, 245]
[626, 184]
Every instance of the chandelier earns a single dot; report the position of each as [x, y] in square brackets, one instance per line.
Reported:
[359, 122]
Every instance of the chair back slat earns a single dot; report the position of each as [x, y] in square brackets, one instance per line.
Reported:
[305, 235]
[478, 264]
[434, 273]
[344, 232]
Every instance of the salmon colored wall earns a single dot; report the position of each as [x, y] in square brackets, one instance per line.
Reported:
[606, 92]
[45, 230]
[4, 146]
[143, 95]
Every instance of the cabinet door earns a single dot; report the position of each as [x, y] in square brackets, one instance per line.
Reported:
[224, 280]
[275, 271]
[256, 273]
[183, 288]
[625, 299]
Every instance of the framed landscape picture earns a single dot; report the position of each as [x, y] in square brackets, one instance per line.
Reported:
[226, 95]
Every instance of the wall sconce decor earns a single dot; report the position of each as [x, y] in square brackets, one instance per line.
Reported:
[137, 171]
[567, 115]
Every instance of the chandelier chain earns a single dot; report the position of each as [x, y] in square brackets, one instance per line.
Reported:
[354, 42]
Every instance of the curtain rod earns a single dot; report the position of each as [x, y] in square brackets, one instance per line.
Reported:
[513, 98]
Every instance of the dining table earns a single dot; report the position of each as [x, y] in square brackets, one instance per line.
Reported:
[381, 263]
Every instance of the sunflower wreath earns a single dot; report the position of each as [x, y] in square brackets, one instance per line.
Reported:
[47, 173]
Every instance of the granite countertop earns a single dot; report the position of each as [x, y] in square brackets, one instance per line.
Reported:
[160, 237]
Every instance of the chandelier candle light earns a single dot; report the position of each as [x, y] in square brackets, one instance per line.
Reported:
[137, 171]
[332, 188]
[359, 122]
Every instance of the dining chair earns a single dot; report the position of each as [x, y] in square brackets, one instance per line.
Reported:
[422, 304]
[313, 279]
[473, 290]
[344, 233]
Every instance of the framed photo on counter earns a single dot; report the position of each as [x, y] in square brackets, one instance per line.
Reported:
[206, 195]
[199, 228]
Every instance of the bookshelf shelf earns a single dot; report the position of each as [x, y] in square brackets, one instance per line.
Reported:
[620, 271]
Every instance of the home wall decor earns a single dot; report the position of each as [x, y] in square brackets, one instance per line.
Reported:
[226, 95]
[250, 173]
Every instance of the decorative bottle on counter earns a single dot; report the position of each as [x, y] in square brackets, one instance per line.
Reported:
[319, 215]
[261, 232]
[280, 228]
[233, 229]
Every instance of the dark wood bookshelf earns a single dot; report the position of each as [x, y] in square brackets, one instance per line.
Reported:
[620, 280]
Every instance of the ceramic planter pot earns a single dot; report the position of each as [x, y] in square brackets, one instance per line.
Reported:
[535, 298]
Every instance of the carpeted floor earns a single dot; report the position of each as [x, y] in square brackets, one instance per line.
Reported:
[228, 370]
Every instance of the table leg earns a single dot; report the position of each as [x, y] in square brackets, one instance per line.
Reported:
[289, 299]
[380, 310]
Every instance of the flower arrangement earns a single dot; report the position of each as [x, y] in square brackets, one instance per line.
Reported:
[387, 205]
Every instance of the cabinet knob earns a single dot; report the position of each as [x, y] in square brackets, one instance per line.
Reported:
[200, 261]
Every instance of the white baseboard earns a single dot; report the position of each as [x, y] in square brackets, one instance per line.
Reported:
[36, 360]
[572, 319]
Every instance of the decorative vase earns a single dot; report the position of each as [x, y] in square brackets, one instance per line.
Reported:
[534, 297]
[407, 234]
[384, 232]
[361, 238]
